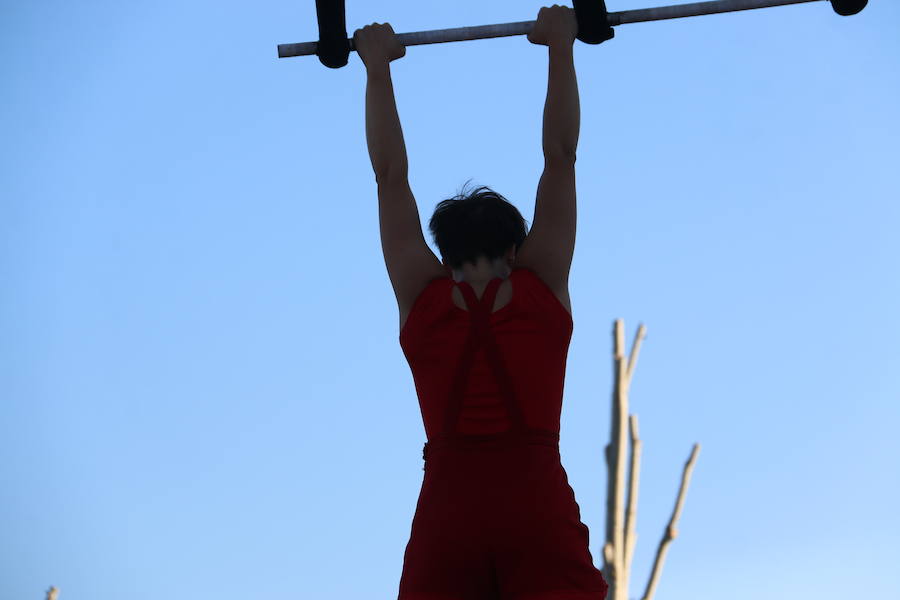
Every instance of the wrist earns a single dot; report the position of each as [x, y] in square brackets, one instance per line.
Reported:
[379, 69]
[562, 47]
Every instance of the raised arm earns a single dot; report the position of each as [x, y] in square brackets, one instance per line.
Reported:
[557, 28]
[410, 262]
[377, 46]
[550, 244]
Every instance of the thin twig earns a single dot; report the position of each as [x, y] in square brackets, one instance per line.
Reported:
[635, 349]
[671, 532]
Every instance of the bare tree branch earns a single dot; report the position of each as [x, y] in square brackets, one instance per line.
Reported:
[620, 454]
[635, 349]
[671, 532]
[616, 464]
[631, 514]
[621, 512]
[608, 554]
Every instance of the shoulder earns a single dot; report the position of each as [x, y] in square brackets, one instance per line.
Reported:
[559, 291]
[427, 291]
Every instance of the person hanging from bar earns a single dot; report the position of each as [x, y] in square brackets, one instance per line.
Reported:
[486, 333]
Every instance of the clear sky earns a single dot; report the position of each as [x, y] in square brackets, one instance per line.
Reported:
[203, 394]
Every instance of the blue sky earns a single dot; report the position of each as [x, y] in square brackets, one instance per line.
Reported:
[203, 394]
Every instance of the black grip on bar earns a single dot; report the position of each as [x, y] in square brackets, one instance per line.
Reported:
[593, 24]
[848, 7]
[333, 49]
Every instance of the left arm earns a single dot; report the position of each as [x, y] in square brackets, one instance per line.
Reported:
[397, 211]
[384, 135]
[410, 262]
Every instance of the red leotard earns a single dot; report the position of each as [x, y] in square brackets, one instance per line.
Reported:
[496, 518]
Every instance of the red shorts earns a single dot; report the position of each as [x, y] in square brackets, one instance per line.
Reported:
[497, 520]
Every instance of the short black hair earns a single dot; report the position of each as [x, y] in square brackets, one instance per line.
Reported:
[474, 224]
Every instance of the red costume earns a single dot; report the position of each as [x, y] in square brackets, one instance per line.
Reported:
[496, 518]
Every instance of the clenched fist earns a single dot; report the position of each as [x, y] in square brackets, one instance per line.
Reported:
[377, 44]
[556, 25]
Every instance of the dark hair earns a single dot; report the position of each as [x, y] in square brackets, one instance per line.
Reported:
[474, 224]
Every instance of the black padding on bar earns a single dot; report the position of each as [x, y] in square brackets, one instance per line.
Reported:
[848, 7]
[593, 25]
[333, 49]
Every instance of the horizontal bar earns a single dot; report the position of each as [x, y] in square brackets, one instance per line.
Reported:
[460, 34]
[694, 9]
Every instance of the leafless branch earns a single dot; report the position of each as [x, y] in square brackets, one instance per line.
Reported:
[631, 514]
[635, 349]
[671, 532]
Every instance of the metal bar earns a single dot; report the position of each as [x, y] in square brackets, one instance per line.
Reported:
[694, 9]
[460, 34]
